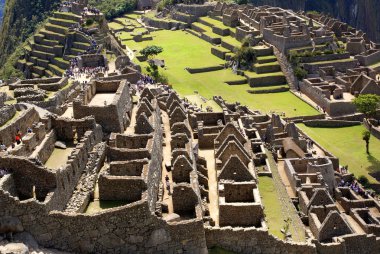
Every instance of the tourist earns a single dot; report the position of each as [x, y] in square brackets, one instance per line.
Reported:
[3, 147]
[18, 137]
[29, 130]
[168, 185]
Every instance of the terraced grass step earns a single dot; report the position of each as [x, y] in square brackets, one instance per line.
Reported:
[211, 37]
[200, 28]
[42, 55]
[43, 48]
[35, 75]
[49, 73]
[53, 36]
[76, 51]
[56, 28]
[266, 79]
[62, 22]
[38, 38]
[56, 70]
[39, 70]
[61, 63]
[230, 43]
[68, 57]
[267, 67]
[41, 62]
[266, 59]
[219, 52]
[67, 16]
[50, 43]
[81, 45]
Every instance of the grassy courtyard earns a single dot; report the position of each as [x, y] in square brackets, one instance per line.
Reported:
[347, 144]
[182, 50]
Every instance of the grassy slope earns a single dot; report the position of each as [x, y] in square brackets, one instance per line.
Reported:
[183, 50]
[347, 144]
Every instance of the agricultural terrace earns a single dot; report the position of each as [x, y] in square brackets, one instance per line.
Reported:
[184, 50]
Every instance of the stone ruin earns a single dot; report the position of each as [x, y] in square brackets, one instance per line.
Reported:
[334, 92]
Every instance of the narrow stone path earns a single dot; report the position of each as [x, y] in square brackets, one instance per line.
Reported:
[167, 160]
[297, 229]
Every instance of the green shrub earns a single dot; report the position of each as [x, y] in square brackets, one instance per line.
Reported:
[300, 73]
[363, 180]
[90, 22]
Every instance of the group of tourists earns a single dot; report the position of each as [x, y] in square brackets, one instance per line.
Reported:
[74, 71]
[91, 10]
[355, 186]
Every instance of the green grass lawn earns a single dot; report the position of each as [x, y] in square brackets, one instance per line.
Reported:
[183, 50]
[347, 144]
[196, 99]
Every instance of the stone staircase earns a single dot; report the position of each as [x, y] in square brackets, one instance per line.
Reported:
[49, 52]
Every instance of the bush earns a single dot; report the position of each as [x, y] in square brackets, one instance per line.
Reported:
[90, 22]
[300, 73]
[363, 180]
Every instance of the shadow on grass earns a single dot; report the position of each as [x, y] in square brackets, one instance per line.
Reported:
[374, 171]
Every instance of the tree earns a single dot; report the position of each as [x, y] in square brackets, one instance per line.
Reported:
[366, 138]
[367, 104]
[151, 51]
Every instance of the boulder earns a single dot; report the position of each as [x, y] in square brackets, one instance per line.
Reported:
[14, 248]
[60, 144]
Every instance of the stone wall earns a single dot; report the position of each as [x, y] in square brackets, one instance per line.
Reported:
[26, 119]
[198, 10]
[324, 123]
[252, 240]
[6, 113]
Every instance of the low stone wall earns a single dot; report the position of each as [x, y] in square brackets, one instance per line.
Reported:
[253, 240]
[273, 90]
[6, 113]
[374, 131]
[204, 69]
[325, 123]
